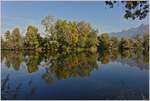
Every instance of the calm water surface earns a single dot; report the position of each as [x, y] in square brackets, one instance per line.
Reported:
[103, 75]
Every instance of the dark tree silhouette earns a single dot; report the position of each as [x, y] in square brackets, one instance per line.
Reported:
[133, 9]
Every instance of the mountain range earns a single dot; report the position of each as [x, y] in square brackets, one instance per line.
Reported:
[132, 32]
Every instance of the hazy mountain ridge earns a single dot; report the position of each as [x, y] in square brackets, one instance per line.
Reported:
[132, 32]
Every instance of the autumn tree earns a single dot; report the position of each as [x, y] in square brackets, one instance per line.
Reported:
[32, 38]
[83, 30]
[16, 39]
[48, 22]
[13, 40]
[92, 41]
[63, 33]
[104, 41]
[49, 42]
[68, 35]
[8, 39]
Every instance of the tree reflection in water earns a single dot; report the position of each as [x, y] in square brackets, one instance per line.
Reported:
[67, 65]
[70, 66]
[12, 59]
[32, 61]
[62, 66]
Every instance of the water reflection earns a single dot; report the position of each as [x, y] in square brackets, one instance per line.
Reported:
[12, 59]
[7, 90]
[63, 67]
[68, 65]
[59, 66]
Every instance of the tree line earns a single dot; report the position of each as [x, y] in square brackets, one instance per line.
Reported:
[61, 35]
[139, 42]
[68, 36]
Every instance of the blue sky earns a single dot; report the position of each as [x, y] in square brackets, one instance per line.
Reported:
[24, 13]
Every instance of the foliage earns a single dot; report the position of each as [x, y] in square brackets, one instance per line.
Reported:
[72, 65]
[2, 43]
[13, 40]
[13, 59]
[69, 37]
[104, 41]
[138, 42]
[32, 38]
[133, 9]
[16, 38]
[146, 41]
[32, 62]
[48, 21]
[123, 43]
[7, 41]
[114, 42]
[87, 35]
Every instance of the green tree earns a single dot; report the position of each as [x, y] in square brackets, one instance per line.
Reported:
[8, 40]
[13, 40]
[66, 33]
[87, 36]
[16, 39]
[32, 38]
[7, 35]
[73, 34]
[83, 30]
[104, 41]
[48, 22]
[49, 42]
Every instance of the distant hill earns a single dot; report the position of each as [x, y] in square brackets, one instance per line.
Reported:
[132, 32]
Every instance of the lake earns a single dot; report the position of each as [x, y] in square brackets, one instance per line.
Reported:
[103, 75]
